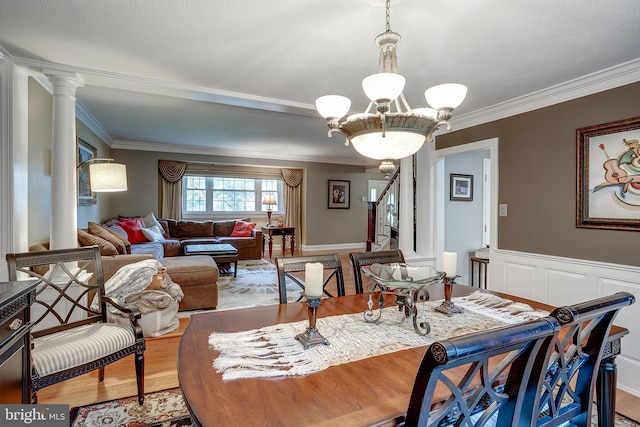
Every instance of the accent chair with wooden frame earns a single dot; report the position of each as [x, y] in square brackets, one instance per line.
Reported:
[70, 337]
[481, 379]
[575, 363]
[332, 268]
[363, 259]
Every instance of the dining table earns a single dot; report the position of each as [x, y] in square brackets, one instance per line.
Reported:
[357, 393]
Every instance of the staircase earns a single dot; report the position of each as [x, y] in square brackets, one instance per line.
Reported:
[383, 217]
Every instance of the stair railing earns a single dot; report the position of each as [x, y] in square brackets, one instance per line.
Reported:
[377, 211]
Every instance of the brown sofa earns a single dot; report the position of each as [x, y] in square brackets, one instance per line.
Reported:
[211, 232]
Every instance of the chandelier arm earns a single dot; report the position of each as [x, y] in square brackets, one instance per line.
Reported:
[346, 137]
[369, 107]
[404, 102]
[435, 128]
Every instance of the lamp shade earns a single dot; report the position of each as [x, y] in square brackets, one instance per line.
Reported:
[108, 177]
[333, 106]
[269, 199]
[448, 95]
[383, 86]
[394, 145]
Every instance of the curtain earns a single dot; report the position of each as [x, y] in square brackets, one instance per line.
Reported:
[292, 198]
[171, 174]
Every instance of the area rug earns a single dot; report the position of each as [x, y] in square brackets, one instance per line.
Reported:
[256, 285]
[167, 409]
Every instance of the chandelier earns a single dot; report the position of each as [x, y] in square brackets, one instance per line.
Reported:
[394, 130]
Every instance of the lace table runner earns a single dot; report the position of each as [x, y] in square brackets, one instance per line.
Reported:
[273, 351]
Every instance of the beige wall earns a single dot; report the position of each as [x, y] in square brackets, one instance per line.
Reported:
[537, 177]
[321, 226]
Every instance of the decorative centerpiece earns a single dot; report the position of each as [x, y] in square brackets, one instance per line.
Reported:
[313, 290]
[449, 261]
[407, 283]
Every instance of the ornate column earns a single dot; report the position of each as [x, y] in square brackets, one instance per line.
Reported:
[64, 211]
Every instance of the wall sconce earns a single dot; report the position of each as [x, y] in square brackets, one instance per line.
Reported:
[106, 177]
[269, 200]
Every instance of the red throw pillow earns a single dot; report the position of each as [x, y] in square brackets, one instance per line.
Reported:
[133, 229]
[242, 229]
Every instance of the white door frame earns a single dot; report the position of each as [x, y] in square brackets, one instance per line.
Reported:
[442, 181]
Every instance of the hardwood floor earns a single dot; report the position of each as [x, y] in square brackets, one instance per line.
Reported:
[160, 371]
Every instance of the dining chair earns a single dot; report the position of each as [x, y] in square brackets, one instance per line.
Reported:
[572, 374]
[70, 337]
[490, 378]
[286, 266]
[362, 259]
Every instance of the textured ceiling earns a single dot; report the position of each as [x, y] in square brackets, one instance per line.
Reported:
[242, 76]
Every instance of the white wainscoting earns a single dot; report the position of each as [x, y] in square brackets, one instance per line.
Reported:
[564, 281]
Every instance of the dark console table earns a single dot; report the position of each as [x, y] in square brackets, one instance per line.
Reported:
[279, 231]
[15, 340]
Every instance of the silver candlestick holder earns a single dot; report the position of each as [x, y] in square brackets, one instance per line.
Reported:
[311, 336]
[448, 307]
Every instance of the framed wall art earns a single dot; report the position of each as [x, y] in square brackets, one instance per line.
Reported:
[608, 182]
[339, 194]
[461, 187]
[85, 152]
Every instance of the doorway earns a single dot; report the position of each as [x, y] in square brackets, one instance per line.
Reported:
[461, 224]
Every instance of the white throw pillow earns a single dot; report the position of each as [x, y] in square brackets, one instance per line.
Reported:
[150, 220]
[153, 234]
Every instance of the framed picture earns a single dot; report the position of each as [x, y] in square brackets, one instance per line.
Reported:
[608, 182]
[85, 152]
[460, 187]
[339, 194]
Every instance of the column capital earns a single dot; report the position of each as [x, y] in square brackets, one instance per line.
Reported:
[64, 83]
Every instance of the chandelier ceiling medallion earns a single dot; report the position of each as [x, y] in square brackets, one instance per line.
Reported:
[390, 133]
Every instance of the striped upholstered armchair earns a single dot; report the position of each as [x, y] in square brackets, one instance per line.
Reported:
[71, 338]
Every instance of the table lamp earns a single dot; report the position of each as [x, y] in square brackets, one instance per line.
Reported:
[269, 200]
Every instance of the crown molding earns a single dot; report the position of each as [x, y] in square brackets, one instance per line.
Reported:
[93, 124]
[225, 152]
[610, 78]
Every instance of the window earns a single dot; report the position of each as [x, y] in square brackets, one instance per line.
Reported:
[209, 195]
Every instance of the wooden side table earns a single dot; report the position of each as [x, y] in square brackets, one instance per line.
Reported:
[279, 231]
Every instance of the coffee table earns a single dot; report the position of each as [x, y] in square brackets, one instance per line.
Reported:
[221, 253]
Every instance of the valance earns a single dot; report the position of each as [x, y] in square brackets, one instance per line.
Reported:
[171, 171]
[240, 171]
[292, 177]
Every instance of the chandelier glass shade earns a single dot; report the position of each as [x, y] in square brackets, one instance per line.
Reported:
[393, 130]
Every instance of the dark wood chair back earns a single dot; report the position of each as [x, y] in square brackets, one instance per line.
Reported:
[63, 306]
[487, 378]
[363, 259]
[286, 266]
[571, 377]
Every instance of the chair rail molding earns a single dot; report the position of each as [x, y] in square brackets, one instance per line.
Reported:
[565, 281]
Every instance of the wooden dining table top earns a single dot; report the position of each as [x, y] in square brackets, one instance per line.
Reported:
[353, 394]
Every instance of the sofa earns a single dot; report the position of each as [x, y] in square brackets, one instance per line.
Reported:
[174, 235]
[217, 231]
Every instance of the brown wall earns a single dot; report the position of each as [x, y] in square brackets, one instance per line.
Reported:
[537, 177]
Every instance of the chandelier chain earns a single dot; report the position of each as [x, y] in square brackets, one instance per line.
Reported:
[388, 6]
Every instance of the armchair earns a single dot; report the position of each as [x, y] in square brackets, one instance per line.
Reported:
[71, 338]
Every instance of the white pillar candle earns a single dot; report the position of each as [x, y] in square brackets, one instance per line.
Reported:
[313, 279]
[449, 261]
